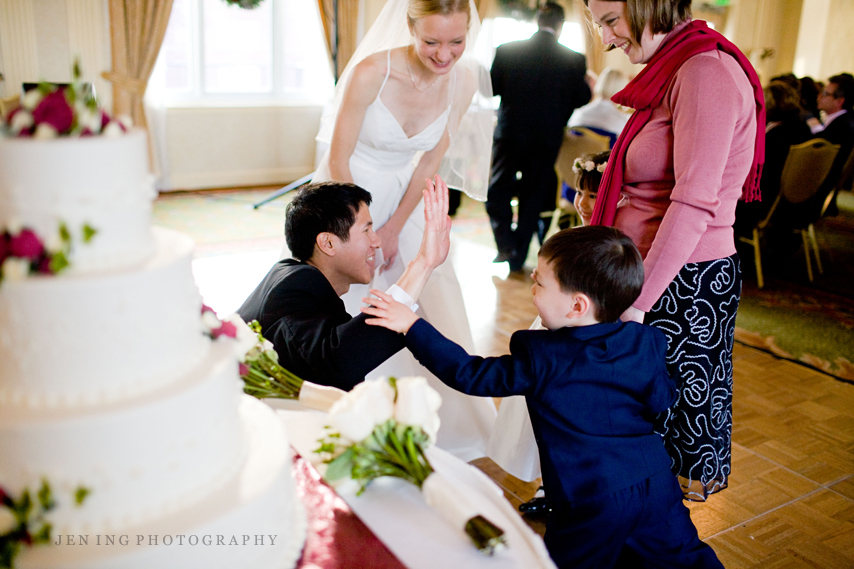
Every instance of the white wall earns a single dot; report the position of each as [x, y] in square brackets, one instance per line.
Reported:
[206, 147]
[213, 147]
[825, 44]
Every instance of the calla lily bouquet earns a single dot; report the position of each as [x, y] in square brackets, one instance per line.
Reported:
[260, 371]
[382, 428]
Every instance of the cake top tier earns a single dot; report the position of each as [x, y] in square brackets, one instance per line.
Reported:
[49, 110]
[95, 189]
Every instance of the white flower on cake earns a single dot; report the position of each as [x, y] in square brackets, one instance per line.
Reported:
[21, 120]
[15, 269]
[45, 131]
[31, 99]
[113, 130]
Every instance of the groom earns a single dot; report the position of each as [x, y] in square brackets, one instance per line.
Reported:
[330, 233]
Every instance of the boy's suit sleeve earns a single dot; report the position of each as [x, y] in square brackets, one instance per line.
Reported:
[662, 392]
[495, 377]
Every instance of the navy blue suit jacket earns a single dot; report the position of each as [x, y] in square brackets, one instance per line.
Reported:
[312, 333]
[592, 392]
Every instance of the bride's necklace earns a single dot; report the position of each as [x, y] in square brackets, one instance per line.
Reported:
[412, 77]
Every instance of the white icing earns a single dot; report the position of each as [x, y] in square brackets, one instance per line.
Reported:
[99, 181]
[86, 339]
[259, 500]
[107, 381]
[141, 459]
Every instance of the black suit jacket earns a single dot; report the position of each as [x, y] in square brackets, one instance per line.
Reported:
[540, 83]
[591, 391]
[311, 331]
[840, 131]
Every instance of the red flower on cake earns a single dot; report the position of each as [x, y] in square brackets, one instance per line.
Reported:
[26, 245]
[215, 326]
[55, 111]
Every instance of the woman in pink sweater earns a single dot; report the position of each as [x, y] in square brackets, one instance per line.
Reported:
[687, 155]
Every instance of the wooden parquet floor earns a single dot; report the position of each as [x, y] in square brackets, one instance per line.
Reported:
[790, 502]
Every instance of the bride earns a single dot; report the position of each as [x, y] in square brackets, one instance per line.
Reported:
[413, 102]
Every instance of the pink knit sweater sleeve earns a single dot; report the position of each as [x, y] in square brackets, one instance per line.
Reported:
[713, 125]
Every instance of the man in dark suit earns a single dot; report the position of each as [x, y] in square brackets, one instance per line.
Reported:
[837, 102]
[330, 234]
[593, 385]
[540, 83]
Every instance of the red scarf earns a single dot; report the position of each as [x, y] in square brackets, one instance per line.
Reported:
[645, 92]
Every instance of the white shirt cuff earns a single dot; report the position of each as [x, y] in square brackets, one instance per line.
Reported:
[402, 297]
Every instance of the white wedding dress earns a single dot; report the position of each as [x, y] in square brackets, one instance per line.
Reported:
[383, 162]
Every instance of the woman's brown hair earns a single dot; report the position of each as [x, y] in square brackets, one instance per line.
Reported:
[661, 15]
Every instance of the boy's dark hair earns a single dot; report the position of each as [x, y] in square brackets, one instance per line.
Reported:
[325, 207]
[600, 262]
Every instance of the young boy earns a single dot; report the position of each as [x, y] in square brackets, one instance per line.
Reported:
[593, 385]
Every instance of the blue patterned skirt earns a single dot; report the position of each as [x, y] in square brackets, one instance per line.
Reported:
[697, 314]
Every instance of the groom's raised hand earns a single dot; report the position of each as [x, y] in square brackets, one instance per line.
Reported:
[436, 241]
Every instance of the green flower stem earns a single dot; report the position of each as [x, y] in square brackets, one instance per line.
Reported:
[266, 378]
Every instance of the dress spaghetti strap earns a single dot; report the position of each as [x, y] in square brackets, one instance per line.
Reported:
[387, 71]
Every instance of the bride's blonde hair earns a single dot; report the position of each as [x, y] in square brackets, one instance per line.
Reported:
[421, 8]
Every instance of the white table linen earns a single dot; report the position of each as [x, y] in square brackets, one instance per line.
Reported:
[395, 510]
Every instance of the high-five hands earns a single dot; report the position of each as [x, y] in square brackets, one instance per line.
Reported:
[435, 243]
[388, 312]
[437, 225]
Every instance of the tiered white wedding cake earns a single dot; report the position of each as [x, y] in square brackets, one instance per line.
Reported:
[108, 382]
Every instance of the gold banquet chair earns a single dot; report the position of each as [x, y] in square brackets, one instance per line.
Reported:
[577, 141]
[806, 167]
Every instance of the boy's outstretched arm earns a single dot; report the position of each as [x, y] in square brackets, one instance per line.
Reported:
[496, 377]
[388, 312]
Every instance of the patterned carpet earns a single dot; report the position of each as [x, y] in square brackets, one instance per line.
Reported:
[790, 318]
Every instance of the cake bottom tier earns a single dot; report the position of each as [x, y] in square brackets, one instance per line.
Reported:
[141, 459]
[255, 520]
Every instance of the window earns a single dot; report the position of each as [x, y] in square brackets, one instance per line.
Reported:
[502, 30]
[214, 51]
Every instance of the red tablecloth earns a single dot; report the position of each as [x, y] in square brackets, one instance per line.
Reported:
[337, 539]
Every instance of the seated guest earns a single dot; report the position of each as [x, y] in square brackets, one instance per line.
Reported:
[783, 128]
[809, 98]
[837, 102]
[593, 385]
[601, 114]
[329, 231]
